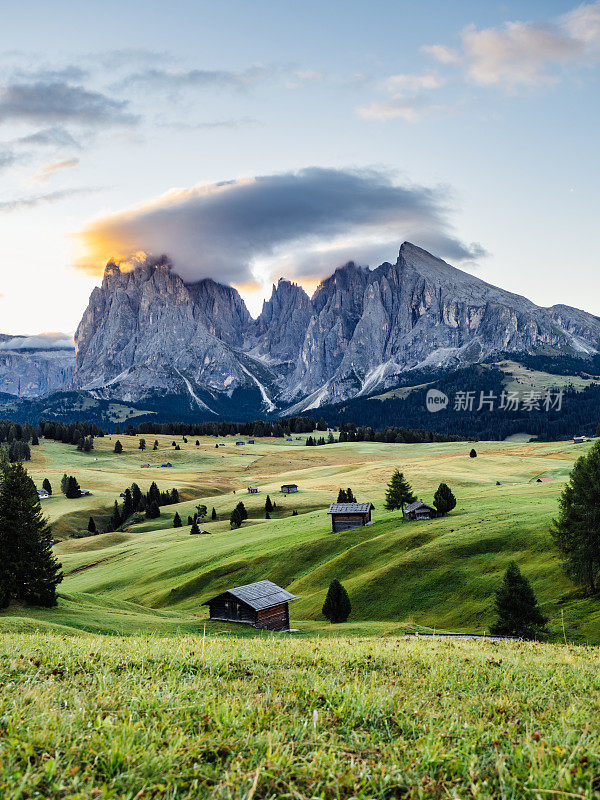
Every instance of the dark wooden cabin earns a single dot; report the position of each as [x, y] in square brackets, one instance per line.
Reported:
[419, 510]
[289, 488]
[345, 516]
[253, 489]
[262, 604]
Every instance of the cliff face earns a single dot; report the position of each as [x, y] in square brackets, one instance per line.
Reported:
[32, 373]
[146, 330]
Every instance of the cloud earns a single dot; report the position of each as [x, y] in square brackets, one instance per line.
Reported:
[69, 74]
[232, 124]
[170, 80]
[6, 206]
[7, 159]
[526, 54]
[408, 97]
[410, 109]
[61, 102]
[56, 136]
[42, 341]
[238, 231]
[48, 171]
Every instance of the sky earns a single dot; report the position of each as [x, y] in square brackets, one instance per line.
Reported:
[254, 140]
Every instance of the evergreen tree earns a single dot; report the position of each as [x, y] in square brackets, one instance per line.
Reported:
[155, 445]
[330, 438]
[518, 611]
[47, 486]
[321, 425]
[194, 529]
[142, 444]
[398, 493]
[91, 526]
[73, 489]
[473, 453]
[267, 515]
[153, 510]
[177, 520]
[118, 447]
[127, 505]
[242, 509]
[198, 443]
[268, 505]
[235, 520]
[213, 514]
[190, 520]
[202, 511]
[443, 500]
[153, 495]
[294, 513]
[342, 497]
[28, 570]
[63, 483]
[576, 532]
[136, 497]
[350, 496]
[336, 607]
[115, 520]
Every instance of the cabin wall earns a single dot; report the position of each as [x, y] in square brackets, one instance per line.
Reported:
[345, 522]
[231, 610]
[274, 619]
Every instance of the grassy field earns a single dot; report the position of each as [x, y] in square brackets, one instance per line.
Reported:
[231, 717]
[436, 575]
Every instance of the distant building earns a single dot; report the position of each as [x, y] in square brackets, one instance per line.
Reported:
[237, 444]
[288, 439]
[262, 604]
[298, 438]
[250, 441]
[345, 516]
[579, 439]
[42, 494]
[419, 510]
[145, 465]
[253, 489]
[289, 488]
[167, 464]
[84, 492]
[544, 480]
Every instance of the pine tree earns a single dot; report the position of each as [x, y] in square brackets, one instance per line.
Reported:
[518, 611]
[47, 486]
[267, 515]
[350, 496]
[118, 447]
[443, 500]
[142, 444]
[72, 490]
[336, 607]
[576, 532]
[235, 520]
[153, 495]
[342, 497]
[136, 497]
[190, 520]
[153, 510]
[155, 445]
[177, 520]
[198, 443]
[63, 483]
[242, 510]
[473, 453]
[398, 492]
[115, 520]
[28, 570]
[268, 505]
[213, 514]
[194, 529]
[91, 526]
[127, 506]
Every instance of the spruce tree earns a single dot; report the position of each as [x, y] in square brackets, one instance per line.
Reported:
[242, 511]
[177, 520]
[194, 529]
[28, 570]
[576, 532]
[155, 445]
[336, 607]
[342, 497]
[136, 497]
[118, 447]
[91, 526]
[127, 505]
[398, 493]
[115, 520]
[267, 515]
[235, 520]
[63, 483]
[443, 500]
[47, 486]
[213, 514]
[268, 505]
[350, 496]
[518, 611]
[73, 489]
[473, 453]
[142, 444]
[153, 495]
[153, 510]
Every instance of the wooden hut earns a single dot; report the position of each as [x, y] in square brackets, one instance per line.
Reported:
[419, 510]
[289, 488]
[253, 490]
[262, 604]
[345, 516]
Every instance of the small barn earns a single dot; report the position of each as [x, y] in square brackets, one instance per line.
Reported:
[419, 510]
[42, 494]
[237, 444]
[579, 439]
[262, 604]
[250, 441]
[289, 488]
[166, 464]
[253, 490]
[345, 516]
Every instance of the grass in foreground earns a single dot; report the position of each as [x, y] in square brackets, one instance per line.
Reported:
[87, 716]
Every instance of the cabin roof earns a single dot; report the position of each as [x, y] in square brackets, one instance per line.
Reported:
[350, 508]
[417, 504]
[261, 595]
[287, 485]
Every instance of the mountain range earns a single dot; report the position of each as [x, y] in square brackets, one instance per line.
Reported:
[147, 334]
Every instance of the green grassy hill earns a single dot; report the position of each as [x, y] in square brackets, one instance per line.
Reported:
[439, 574]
